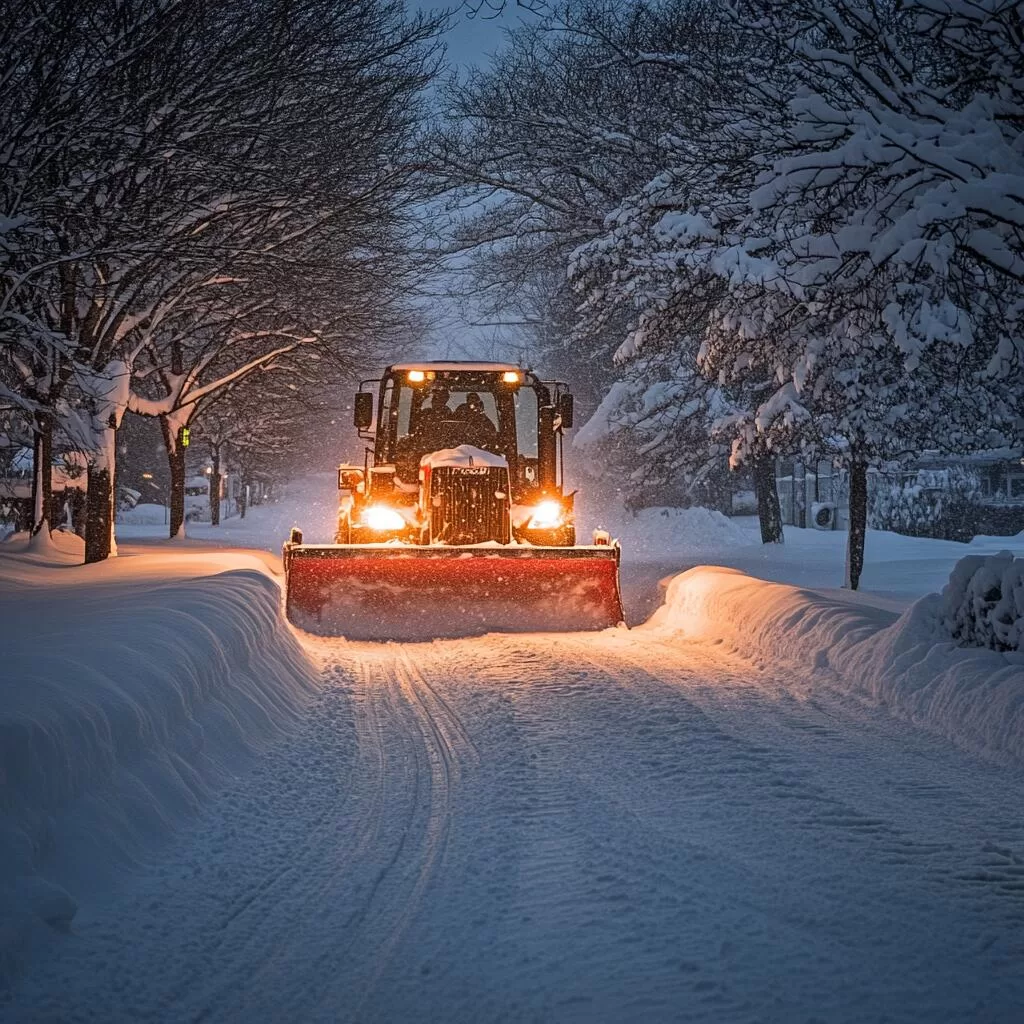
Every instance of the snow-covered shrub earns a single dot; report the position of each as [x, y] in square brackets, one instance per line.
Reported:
[941, 503]
[902, 506]
[983, 603]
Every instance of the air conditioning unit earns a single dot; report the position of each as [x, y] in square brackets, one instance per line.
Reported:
[823, 515]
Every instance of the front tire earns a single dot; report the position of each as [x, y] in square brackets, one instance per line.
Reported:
[343, 535]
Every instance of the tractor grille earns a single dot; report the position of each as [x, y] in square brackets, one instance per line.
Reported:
[464, 507]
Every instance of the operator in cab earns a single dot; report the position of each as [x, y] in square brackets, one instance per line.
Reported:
[438, 425]
[477, 427]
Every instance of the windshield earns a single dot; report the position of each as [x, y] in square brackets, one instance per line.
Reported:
[437, 416]
[431, 414]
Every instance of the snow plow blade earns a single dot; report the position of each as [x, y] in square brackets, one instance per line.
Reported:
[390, 592]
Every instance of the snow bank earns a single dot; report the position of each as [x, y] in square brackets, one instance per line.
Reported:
[769, 622]
[655, 532]
[124, 699]
[907, 663]
[143, 515]
[60, 547]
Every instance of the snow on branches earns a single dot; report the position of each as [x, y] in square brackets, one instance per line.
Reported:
[191, 194]
[845, 232]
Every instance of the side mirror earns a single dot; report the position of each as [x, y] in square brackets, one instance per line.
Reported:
[363, 410]
[349, 478]
[565, 411]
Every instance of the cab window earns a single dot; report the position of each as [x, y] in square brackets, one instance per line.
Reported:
[526, 422]
[404, 412]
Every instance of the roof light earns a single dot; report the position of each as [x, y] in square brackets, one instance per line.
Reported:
[417, 376]
[510, 377]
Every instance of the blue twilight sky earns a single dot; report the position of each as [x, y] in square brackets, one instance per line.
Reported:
[472, 36]
[458, 331]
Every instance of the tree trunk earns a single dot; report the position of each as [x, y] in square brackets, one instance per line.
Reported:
[769, 510]
[99, 506]
[243, 497]
[77, 499]
[171, 431]
[215, 488]
[800, 494]
[176, 463]
[99, 497]
[42, 472]
[858, 523]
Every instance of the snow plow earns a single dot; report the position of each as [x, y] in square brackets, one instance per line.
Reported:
[457, 523]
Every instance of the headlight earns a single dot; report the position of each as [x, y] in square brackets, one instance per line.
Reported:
[382, 518]
[546, 516]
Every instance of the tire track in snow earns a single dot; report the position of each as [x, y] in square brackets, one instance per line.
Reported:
[311, 868]
[445, 749]
[571, 828]
[943, 857]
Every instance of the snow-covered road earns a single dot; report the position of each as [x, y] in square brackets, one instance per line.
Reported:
[600, 827]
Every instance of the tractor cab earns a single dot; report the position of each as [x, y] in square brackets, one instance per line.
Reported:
[423, 408]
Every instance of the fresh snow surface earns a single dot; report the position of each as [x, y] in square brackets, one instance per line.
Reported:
[58, 547]
[897, 569]
[568, 828]
[464, 455]
[909, 663]
[654, 532]
[312, 503]
[729, 814]
[129, 691]
[145, 514]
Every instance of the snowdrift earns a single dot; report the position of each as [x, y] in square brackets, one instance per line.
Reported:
[124, 699]
[61, 547]
[660, 532]
[908, 663]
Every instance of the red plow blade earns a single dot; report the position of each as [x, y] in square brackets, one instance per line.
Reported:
[390, 592]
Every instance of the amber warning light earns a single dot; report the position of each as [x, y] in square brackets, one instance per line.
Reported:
[510, 377]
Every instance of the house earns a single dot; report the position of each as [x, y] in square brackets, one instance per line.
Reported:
[954, 497]
[69, 483]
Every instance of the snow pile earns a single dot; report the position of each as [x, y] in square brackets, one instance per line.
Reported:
[143, 515]
[60, 547]
[464, 455]
[983, 603]
[124, 699]
[909, 664]
[768, 622]
[653, 532]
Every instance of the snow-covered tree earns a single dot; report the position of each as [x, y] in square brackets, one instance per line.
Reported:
[538, 147]
[893, 207]
[260, 425]
[214, 151]
[860, 307]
